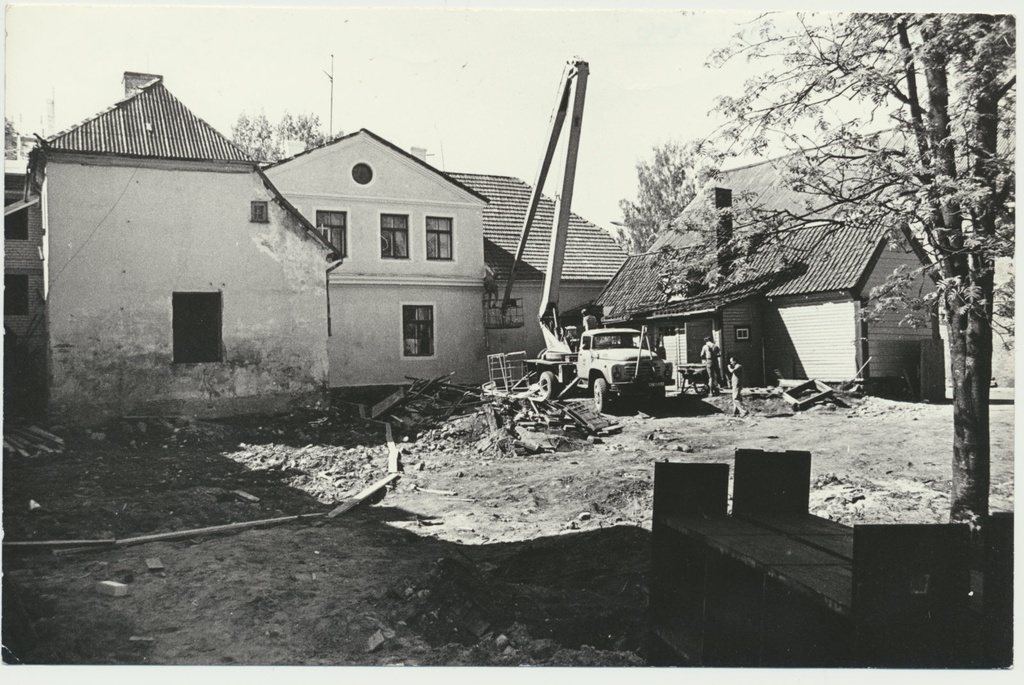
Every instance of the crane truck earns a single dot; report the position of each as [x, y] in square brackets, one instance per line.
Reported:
[608, 362]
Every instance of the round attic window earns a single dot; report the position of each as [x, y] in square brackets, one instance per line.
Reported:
[362, 173]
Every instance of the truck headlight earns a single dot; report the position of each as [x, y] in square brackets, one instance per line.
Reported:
[668, 369]
[616, 373]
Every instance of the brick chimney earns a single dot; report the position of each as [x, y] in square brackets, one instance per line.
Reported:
[419, 153]
[134, 80]
[723, 230]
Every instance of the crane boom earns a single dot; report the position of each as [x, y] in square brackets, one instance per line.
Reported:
[576, 72]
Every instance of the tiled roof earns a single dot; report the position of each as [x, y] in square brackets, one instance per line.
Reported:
[821, 258]
[149, 123]
[590, 252]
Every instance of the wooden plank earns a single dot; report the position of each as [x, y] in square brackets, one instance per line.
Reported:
[57, 544]
[828, 584]
[363, 495]
[770, 549]
[798, 524]
[394, 454]
[700, 527]
[386, 403]
[196, 532]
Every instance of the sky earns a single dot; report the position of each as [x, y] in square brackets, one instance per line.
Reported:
[475, 87]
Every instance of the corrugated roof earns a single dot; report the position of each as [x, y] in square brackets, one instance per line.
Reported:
[814, 259]
[149, 123]
[590, 252]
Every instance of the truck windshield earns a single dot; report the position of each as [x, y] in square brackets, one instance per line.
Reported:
[616, 341]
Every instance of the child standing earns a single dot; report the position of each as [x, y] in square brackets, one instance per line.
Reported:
[736, 371]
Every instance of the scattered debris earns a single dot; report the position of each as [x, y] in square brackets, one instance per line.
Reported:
[33, 505]
[31, 441]
[139, 638]
[243, 495]
[807, 393]
[154, 565]
[112, 588]
[376, 641]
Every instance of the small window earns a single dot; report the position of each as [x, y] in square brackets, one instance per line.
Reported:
[362, 173]
[16, 224]
[259, 213]
[439, 238]
[742, 333]
[332, 226]
[394, 236]
[15, 294]
[418, 330]
[196, 323]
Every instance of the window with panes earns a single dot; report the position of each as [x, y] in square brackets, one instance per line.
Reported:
[418, 330]
[333, 226]
[439, 237]
[394, 236]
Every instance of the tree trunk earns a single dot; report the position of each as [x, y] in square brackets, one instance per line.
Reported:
[970, 350]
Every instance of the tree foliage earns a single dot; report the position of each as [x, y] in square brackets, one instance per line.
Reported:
[265, 142]
[665, 187]
[10, 140]
[899, 121]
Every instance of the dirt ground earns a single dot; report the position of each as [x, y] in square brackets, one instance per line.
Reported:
[511, 560]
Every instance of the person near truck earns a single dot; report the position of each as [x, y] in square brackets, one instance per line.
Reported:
[709, 355]
[736, 371]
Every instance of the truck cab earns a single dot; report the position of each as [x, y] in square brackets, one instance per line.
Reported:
[618, 362]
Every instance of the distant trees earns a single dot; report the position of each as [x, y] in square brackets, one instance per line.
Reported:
[10, 140]
[665, 187]
[901, 121]
[265, 142]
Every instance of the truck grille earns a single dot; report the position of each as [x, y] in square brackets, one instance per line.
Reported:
[646, 372]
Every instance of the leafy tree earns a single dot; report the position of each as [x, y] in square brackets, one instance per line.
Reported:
[10, 140]
[304, 127]
[265, 142]
[897, 120]
[665, 188]
[255, 136]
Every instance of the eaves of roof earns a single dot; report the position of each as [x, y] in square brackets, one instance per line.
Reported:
[306, 224]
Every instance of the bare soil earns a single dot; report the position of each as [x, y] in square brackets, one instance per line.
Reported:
[513, 559]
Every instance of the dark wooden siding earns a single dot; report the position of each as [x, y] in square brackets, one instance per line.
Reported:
[894, 348]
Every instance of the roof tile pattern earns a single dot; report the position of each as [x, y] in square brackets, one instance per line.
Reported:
[590, 252]
[149, 123]
[827, 258]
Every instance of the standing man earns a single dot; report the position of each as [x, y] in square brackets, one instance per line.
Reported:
[736, 371]
[708, 356]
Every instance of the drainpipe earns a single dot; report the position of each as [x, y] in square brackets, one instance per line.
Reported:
[327, 284]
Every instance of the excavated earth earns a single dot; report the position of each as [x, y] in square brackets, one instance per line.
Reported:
[477, 556]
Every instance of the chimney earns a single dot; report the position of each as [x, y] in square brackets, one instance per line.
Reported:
[723, 230]
[293, 147]
[419, 153]
[134, 81]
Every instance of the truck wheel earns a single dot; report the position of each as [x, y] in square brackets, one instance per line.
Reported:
[601, 398]
[547, 385]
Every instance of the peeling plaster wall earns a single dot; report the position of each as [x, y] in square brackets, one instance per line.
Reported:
[122, 240]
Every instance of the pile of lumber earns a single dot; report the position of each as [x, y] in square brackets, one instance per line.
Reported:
[518, 414]
[425, 401]
[31, 441]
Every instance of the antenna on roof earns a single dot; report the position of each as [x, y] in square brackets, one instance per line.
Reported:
[330, 124]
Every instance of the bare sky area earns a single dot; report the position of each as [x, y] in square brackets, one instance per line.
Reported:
[475, 87]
